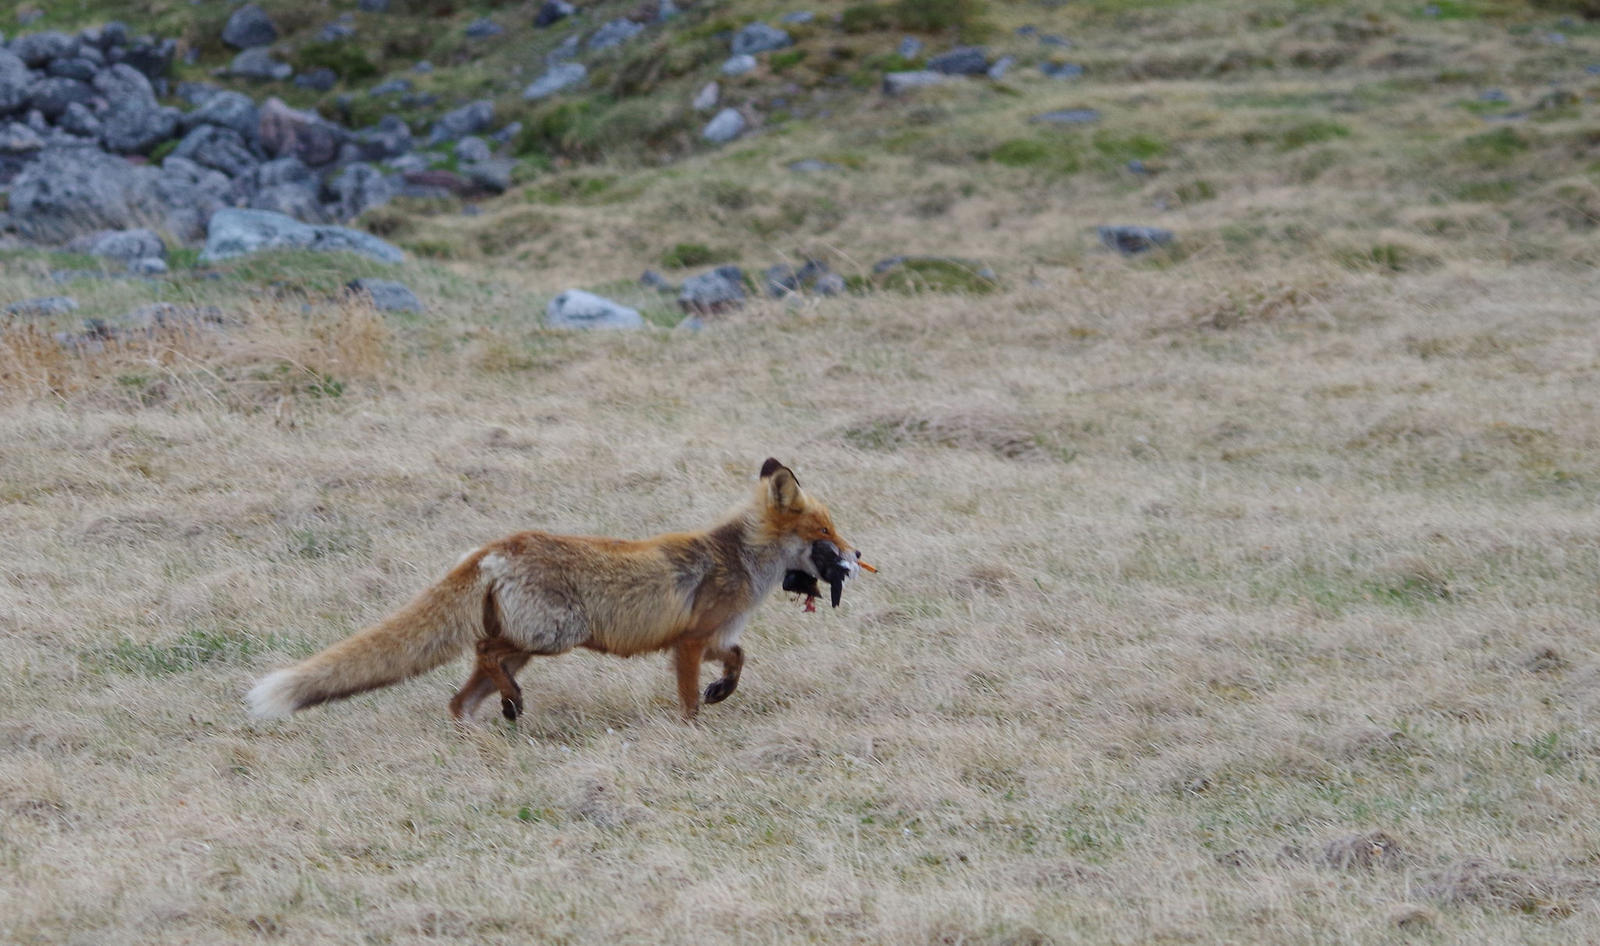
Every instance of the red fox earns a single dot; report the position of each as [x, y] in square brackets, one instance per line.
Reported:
[537, 594]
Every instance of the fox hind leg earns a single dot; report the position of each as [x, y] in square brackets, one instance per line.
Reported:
[496, 669]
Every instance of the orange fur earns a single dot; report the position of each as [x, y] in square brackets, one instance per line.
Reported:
[534, 593]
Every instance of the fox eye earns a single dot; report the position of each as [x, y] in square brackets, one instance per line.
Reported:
[824, 530]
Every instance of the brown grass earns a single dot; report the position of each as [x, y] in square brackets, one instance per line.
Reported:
[1240, 594]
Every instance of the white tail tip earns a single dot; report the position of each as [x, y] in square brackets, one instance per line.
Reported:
[273, 696]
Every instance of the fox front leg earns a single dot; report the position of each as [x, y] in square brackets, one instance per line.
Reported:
[687, 658]
[732, 658]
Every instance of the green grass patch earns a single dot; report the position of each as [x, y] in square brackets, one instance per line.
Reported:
[1388, 257]
[343, 57]
[1309, 133]
[303, 270]
[1493, 149]
[936, 275]
[188, 651]
[685, 255]
[1056, 157]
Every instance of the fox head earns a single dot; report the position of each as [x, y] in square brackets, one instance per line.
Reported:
[810, 541]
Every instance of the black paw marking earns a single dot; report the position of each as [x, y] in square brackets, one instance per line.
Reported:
[720, 690]
[509, 710]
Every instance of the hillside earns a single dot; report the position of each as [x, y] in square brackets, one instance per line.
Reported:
[1212, 384]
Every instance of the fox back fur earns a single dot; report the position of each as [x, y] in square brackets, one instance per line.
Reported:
[534, 593]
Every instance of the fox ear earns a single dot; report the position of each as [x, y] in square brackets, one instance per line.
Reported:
[770, 467]
[782, 486]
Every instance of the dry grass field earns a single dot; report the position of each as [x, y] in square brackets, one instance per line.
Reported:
[1245, 594]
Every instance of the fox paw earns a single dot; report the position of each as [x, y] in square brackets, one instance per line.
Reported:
[510, 710]
[720, 690]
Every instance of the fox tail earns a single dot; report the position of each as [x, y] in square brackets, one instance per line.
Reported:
[432, 630]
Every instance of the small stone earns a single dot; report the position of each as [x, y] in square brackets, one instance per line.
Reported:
[483, 29]
[798, 16]
[43, 306]
[738, 65]
[1130, 240]
[559, 77]
[258, 64]
[336, 31]
[1001, 67]
[654, 280]
[614, 33]
[422, 67]
[899, 83]
[910, 48]
[962, 61]
[1052, 39]
[715, 291]
[811, 166]
[706, 99]
[125, 245]
[390, 87]
[553, 11]
[1067, 116]
[760, 38]
[469, 119]
[320, 79]
[1065, 70]
[147, 266]
[578, 309]
[386, 294]
[473, 149]
[249, 27]
[235, 232]
[725, 127]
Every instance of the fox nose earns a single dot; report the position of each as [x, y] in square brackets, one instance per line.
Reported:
[858, 554]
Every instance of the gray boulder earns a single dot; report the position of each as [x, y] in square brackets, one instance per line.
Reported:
[910, 48]
[227, 109]
[147, 266]
[760, 38]
[78, 67]
[78, 120]
[391, 87]
[14, 82]
[961, 61]
[386, 294]
[18, 139]
[469, 119]
[234, 232]
[560, 76]
[51, 95]
[126, 245]
[297, 199]
[154, 59]
[1130, 240]
[74, 191]
[359, 187]
[389, 138]
[614, 33]
[726, 126]
[185, 195]
[130, 131]
[1001, 67]
[285, 132]
[290, 170]
[650, 279]
[218, 148]
[716, 291]
[553, 11]
[798, 16]
[320, 79]
[899, 83]
[374, 6]
[578, 309]
[43, 306]
[36, 49]
[258, 64]
[249, 27]
[484, 28]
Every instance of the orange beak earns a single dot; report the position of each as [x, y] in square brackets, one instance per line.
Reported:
[866, 566]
